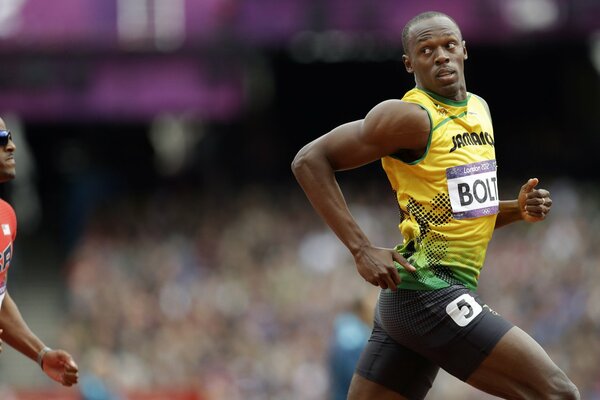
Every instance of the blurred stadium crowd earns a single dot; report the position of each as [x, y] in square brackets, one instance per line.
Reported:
[237, 299]
[134, 119]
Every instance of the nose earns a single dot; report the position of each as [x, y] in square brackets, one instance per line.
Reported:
[441, 56]
[10, 146]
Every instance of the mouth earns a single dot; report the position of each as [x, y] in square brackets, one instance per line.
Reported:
[446, 75]
[444, 72]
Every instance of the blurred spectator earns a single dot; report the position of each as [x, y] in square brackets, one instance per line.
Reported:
[351, 331]
[187, 290]
[94, 388]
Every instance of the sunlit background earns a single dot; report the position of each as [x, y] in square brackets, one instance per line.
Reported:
[162, 238]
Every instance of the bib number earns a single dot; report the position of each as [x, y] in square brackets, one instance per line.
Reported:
[463, 309]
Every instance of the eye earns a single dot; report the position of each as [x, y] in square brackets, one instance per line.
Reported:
[451, 45]
[426, 50]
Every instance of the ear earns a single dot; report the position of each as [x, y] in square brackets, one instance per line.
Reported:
[407, 64]
[464, 45]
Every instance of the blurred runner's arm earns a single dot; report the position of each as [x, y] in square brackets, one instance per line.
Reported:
[57, 364]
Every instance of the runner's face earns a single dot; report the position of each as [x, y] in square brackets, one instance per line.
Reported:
[7, 159]
[436, 54]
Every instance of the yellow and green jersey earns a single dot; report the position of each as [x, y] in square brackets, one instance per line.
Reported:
[448, 198]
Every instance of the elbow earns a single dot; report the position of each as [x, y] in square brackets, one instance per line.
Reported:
[311, 162]
[300, 161]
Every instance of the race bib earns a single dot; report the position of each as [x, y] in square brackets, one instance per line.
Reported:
[473, 189]
[463, 309]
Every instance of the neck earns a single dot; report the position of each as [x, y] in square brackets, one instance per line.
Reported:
[454, 95]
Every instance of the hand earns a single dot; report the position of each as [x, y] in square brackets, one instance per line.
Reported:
[376, 266]
[534, 203]
[59, 366]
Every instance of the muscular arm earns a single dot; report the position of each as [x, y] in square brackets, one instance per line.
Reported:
[15, 331]
[387, 128]
[57, 364]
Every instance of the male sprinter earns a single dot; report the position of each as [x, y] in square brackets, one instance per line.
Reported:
[57, 364]
[437, 149]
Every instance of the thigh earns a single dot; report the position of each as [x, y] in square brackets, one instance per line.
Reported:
[452, 326]
[389, 370]
[518, 367]
[364, 389]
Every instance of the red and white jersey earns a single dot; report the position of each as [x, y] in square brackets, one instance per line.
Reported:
[8, 233]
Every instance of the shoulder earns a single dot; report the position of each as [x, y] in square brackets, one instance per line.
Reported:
[398, 116]
[7, 213]
[397, 106]
[6, 207]
[8, 218]
[400, 124]
[483, 102]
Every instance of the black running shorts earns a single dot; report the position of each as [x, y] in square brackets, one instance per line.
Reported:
[417, 332]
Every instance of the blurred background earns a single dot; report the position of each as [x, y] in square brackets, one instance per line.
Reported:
[163, 240]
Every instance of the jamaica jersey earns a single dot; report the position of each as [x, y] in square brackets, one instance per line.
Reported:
[448, 198]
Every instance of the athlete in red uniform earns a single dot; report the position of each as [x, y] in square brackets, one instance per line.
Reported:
[57, 364]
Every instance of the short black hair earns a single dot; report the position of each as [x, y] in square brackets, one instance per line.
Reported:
[421, 17]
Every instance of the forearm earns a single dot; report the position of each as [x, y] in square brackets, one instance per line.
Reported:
[16, 333]
[317, 178]
[509, 213]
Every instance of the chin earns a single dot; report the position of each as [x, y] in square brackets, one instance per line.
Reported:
[7, 176]
[450, 91]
